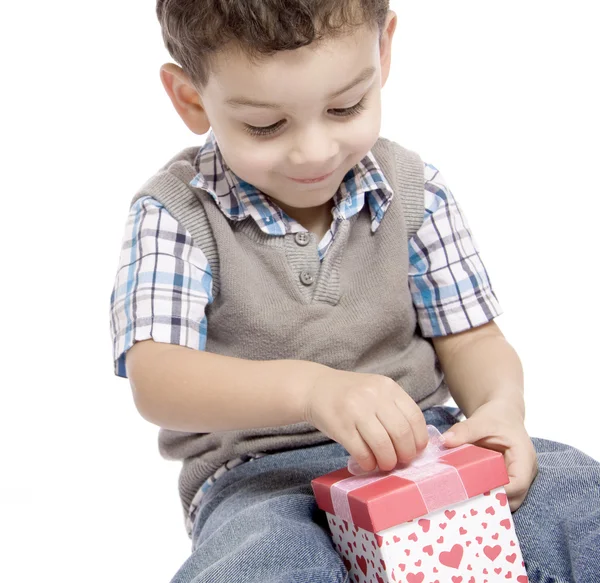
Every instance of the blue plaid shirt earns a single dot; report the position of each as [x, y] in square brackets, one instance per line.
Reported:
[164, 282]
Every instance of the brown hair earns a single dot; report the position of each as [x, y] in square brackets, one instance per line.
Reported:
[196, 30]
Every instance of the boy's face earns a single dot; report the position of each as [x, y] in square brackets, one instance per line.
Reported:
[307, 136]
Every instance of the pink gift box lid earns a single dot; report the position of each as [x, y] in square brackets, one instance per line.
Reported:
[391, 500]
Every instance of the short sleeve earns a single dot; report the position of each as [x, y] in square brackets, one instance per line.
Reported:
[162, 287]
[449, 284]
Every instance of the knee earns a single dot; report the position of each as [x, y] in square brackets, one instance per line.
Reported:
[556, 454]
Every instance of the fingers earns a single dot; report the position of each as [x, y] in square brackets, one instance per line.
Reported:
[395, 434]
[371, 416]
[415, 418]
[459, 434]
[407, 431]
[360, 451]
[378, 440]
[521, 465]
[472, 430]
[510, 439]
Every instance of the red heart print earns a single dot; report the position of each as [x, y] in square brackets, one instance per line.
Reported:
[379, 540]
[456, 578]
[462, 530]
[511, 558]
[498, 570]
[402, 566]
[379, 579]
[477, 555]
[443, 525]
[505, 523]
[424, 524]
[484, 524]
[407, 552]
[373, 543]
[393, 575]
[453, 557]
[508, 575]
[472, 580]
[464, 515]
[362, 563]
[418, 563]
[501, 498]
[382, 564]
[495, 536]
[522, 579]
[450, 514]
[485, 571]
[490, 510]
[413, 537]
[468, 543]
[428, 549]
[469, 568]
[345, 524]
[435, 569]
[364, 548]
[473, 512]
[347, 563]
[396, 539]
[479, 539]
[512, 543]
[487, 493]
[415, 577]
[440, 540]
[492, 552]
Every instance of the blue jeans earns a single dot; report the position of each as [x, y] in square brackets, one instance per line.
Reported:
[259, 522]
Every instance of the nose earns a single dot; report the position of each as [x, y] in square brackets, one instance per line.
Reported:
[314, 151]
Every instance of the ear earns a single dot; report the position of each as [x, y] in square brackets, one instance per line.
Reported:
[385, 45]
[185, 98]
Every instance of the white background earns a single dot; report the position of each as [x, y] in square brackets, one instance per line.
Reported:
[501, 97]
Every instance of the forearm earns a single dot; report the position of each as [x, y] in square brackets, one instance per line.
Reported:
[483, 368]
[190, 390]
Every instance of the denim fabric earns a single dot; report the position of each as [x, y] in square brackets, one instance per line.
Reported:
[259, 522]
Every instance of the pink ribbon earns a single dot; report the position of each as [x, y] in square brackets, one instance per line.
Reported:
[425, 471]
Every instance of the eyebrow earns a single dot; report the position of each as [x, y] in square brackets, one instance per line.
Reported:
[242, 101]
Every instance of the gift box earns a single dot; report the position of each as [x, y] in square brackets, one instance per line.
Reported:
[443, 518]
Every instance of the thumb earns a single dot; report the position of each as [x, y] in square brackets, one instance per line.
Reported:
[468, 431]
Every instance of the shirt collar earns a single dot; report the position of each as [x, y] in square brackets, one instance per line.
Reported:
[239, 200]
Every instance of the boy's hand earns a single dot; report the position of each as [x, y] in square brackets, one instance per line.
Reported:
[377, 422]
[498, 425]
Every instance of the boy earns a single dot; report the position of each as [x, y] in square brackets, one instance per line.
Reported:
[299, 289]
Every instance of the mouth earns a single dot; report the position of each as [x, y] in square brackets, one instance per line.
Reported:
[311, 180]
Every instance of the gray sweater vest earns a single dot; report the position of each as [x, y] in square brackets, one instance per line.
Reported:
[274, 299]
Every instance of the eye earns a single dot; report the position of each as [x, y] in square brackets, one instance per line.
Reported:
[354, 110]
[270, 130]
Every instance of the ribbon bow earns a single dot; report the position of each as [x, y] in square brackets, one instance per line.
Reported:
[425, 471]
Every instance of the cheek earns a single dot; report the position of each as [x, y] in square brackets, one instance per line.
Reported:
[366, 131]
[249, 162]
